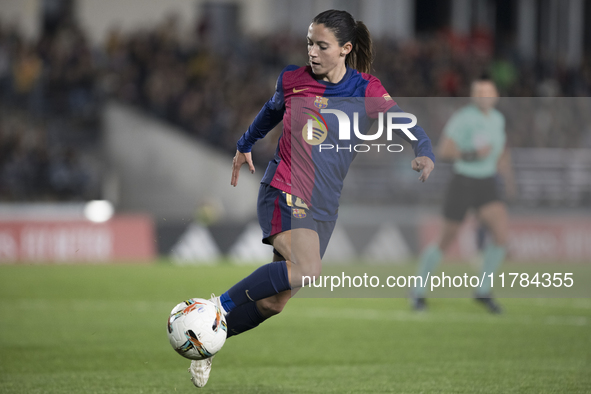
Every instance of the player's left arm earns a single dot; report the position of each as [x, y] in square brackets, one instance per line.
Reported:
[424, 165]
[424, 161]
[505, 169]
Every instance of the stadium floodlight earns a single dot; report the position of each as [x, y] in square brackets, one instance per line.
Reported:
[98, 211]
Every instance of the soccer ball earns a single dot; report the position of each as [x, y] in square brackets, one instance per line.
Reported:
[197, 329]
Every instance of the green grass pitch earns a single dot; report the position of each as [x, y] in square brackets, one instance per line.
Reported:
[101, 329]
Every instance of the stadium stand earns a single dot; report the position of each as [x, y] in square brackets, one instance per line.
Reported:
[49, 118]
[54, 89]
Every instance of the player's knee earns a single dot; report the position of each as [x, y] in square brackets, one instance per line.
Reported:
[305, 271]
[312, 270]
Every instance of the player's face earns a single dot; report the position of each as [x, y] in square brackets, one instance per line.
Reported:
[485, 95]
[325, 55]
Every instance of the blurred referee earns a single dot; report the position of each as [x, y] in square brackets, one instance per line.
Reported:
[474, 140]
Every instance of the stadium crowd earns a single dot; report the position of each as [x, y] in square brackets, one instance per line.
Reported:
[34, 169]
[48, 117]
[214, 94]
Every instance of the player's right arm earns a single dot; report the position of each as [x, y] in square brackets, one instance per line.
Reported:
[239, 159]
[266, 120]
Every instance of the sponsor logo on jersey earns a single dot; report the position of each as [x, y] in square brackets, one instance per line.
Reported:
[299, 213]
[321, 102]
[299, 90]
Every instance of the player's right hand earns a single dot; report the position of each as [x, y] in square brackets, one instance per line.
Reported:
[238, 161]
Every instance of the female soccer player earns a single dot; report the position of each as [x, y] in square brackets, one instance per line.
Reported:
[298, 199]
[474, 140]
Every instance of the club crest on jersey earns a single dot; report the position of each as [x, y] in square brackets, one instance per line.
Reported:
[299, 213]
[321, 102]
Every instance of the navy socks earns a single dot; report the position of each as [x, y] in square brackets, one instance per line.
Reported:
[244, 318]
[264, 282]
[240, 301]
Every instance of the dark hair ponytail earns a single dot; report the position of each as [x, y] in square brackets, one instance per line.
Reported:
[361, 56]
[346, 29]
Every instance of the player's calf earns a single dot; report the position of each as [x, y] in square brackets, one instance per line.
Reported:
[274, 305]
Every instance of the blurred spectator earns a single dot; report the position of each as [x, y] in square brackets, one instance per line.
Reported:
[67, 176]
[31, 170]
[48, 114]
[504, 74]
[26, 75]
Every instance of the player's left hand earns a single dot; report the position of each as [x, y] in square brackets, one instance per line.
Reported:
[424, 164]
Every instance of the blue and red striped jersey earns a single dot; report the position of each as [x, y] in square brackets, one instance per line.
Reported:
[306, 170]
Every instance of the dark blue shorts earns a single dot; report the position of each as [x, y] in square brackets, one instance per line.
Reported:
[279, 211]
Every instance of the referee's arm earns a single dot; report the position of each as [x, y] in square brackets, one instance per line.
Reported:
[447, 150]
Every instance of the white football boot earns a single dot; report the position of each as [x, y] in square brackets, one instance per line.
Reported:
[216, 300]
[200, 369]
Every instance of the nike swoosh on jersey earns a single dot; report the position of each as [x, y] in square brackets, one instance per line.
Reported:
[299, 90]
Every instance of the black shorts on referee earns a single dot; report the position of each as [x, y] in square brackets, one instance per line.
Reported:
[465, 192]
